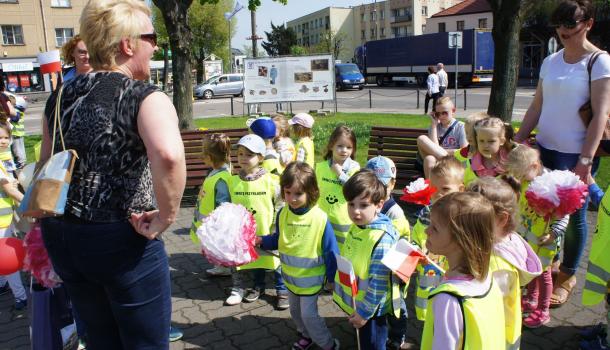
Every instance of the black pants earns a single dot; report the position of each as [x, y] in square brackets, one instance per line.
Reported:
[434, 97]
[442, 90]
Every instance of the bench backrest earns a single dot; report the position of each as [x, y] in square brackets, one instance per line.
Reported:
[400, 145]
[196, 171]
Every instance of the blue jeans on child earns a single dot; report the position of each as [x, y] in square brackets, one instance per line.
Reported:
[374, 334]
[117, 280]
[576, 234]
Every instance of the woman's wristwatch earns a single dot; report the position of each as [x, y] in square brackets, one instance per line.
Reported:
[586, 161]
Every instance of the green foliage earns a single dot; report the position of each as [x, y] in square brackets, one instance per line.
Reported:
[332, 42]
[279, 41]
[297, 50]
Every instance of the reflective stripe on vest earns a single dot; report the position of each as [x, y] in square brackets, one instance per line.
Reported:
[358, 249]
[482, 329]
[257, 196]
[19, 127]
[207, 200]
[6, 204]
[300, 246]
[599, 259]
[332, 201]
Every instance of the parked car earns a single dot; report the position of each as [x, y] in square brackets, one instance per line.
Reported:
[225, 84]
[348, 76]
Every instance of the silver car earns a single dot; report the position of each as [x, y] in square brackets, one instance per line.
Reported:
[225, 84]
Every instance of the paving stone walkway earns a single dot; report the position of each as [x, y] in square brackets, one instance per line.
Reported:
[198, 310]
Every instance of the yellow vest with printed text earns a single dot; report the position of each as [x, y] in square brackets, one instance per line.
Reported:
[300, 247]
[257, 196]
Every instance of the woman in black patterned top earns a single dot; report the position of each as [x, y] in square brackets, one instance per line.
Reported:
[127, 183]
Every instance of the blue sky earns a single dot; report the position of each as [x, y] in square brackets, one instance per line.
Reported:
[278, 13]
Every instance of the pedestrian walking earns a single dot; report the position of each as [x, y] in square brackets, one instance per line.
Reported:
[443, 81]
[433, 89]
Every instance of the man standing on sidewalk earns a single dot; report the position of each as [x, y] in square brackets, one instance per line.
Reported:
[442, 78]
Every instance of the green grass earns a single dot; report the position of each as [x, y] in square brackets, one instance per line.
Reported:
[360, 122]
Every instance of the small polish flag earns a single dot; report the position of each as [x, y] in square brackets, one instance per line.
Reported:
[347, 277]
[403, 258]
[49, 62]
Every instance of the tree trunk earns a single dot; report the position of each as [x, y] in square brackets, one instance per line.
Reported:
[175, 18]
[199, 66]
[508, 17]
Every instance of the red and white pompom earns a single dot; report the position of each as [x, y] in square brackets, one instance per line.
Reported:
[556, 194]
[418, 192]
[37, 260]
[227, 235]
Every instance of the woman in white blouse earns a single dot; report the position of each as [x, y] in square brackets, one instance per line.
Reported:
[433, 88]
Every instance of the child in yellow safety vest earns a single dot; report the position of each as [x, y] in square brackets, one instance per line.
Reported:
[307, 247]
[9, 197]
[385, 169]
[370, 238]
[597, 280]
[302, 132]
[446, 176]
[332, 173]
[465, 311]
[545, 238]
[216, 153]
[513, 261]
[258, 191]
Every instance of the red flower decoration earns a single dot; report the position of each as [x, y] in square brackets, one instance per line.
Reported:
[418, 192]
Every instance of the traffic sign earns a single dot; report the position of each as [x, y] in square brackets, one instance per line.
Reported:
[455, 38]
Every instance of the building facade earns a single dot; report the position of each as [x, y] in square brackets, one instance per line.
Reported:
[29, 27]
[469, 14]
[311, 28]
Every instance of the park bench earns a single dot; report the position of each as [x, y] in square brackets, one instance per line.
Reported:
[400, 145]
[196, 171]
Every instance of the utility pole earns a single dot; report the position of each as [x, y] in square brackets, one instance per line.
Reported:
[254, 37]
[230, 50]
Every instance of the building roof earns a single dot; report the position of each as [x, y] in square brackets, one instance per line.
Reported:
[464, 8]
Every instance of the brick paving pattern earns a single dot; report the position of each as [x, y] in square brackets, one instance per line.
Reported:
[207, 324]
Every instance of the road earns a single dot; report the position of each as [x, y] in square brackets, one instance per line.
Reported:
[382, 100]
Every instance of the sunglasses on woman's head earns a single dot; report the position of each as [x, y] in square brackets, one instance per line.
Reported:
[150, 36]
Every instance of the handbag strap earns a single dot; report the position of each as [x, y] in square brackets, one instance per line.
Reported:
[442, 138]
[57, 121]
[592, 60]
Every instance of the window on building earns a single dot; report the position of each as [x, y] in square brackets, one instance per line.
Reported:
[373, 34]
[460, 26]
[382, 31]
[62, 35]
[60, 3]
[423, 28]
[362, 17]
[9, 1]
[327, 22]
[362, 34]
[441, 27]
[373, 16]
[381, 14]
[395, 12]
[12, 35]
[424, 11]
[482, 22]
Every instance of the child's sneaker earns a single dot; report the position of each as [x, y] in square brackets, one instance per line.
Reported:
[236, 297]
[282, 302]
[537, 319]
[175, 333]
[254, 294]
[528, 306]
[219, 271]
[21, 304]
[303, 343]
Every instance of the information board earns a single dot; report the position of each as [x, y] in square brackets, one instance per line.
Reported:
[289, 79]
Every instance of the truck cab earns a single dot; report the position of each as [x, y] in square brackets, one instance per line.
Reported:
[348, 76]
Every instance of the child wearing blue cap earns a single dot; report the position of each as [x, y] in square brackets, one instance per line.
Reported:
[265, 128]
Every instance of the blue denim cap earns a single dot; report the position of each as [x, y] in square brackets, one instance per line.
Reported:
[384, 168]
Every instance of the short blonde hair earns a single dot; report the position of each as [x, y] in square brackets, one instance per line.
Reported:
[449, 167]
[470, 219]
[104, 23]
[445, 100]
[521, 158]
[281, 124]
[68, 49]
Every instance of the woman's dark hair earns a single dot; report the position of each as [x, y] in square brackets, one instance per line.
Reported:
[340, 131]
[573, 10]
[431, 69]
[302, 174]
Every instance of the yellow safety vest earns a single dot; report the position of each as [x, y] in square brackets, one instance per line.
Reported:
[307, 144]
[419, 234]
[272, 165]
[6, 204]
[482, 316]
[358, 249]
[402, 227]
[512, 303]
[532, 227]
[207, 200]
[598, 273]
[332, 201]
[469, 174]
[428, 278]
[19, 127]
[257, 196]
[300, 247]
